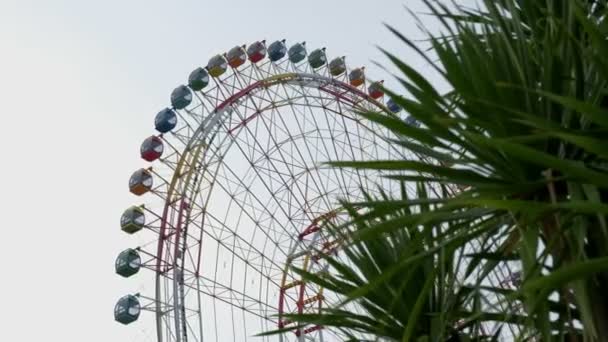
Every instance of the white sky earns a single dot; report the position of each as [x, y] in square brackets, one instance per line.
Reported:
[80, 83]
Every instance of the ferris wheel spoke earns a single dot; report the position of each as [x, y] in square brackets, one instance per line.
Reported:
[204, 106]
[275, 168]
[234, 297]
[246, 256]
[296, 116]
[234, 177]
[242, 150]
[181, 136]
[291, 137]
[323, 142]
[245, 210]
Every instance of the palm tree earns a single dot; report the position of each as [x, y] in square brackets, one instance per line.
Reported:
[518, 154]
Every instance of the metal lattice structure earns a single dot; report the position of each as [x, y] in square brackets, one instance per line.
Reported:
[238, 192]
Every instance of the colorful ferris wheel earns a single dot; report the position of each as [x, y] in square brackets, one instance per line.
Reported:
[236, 191]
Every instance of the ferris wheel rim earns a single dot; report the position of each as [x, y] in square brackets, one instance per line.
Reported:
[196, 138]
[288, 75]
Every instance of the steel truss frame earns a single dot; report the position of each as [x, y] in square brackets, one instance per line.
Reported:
[241, 196]
[282, 193]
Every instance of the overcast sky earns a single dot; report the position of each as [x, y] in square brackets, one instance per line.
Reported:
[80, 83]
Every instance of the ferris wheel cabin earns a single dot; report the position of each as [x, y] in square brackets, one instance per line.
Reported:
[392, 106]
[165, 120]
[410, 120]
[337, 66]
[140, 182]
[257, 51]
[132, 220]
[375, 90]
[198, 79]
[237, 56]
[317, 58]
[297, 52]
[152, 148]
[217, 65]
[127, 263]
[277, 50]
[127, 309]
[357, 77]
[181, 97]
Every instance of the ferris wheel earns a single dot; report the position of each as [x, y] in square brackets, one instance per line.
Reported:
[235, 192]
